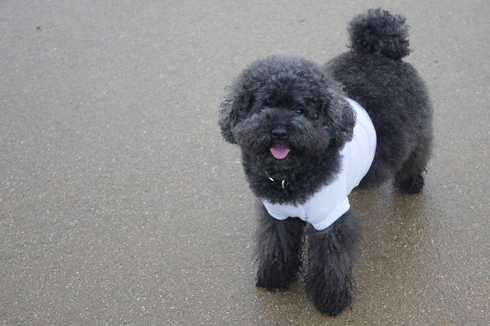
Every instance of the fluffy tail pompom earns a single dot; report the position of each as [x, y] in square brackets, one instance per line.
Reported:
[379, 32]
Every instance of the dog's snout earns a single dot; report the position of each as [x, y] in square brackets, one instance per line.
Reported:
[279, 133]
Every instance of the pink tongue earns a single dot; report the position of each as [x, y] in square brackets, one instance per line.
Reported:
[280, 151]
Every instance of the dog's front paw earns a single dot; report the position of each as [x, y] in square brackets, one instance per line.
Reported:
[332, 305]
[329, 291]
[276, 279]
[268, 285]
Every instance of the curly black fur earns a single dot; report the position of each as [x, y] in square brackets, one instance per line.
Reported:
[294, 94]
[331, 255]
[395, 98]
[378, 32]
[278, 250]
[288, 102]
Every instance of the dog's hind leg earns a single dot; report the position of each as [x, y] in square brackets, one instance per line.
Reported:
[410, 178]
[331, 255]
[410, 183]
[278, 250]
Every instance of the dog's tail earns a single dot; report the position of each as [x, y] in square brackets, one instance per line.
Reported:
[379, 32]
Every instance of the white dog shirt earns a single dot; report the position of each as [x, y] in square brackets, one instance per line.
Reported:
[325, 206]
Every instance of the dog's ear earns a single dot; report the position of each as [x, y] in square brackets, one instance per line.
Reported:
[227, 119]
[339, 118]
[230, 112]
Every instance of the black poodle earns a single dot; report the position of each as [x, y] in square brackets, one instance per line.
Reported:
[310, 134]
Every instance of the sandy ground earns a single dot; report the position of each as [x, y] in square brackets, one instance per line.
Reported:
[120, 204]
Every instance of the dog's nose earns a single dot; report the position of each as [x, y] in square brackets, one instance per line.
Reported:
[279, 133]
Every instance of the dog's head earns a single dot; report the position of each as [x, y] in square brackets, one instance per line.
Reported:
[282, 110]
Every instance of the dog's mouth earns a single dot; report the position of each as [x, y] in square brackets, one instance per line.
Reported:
[280, 150]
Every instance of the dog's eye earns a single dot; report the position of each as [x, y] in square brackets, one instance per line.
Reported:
[299, 111]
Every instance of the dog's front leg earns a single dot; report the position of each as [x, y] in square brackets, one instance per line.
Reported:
[331, 255]
[278, 250]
